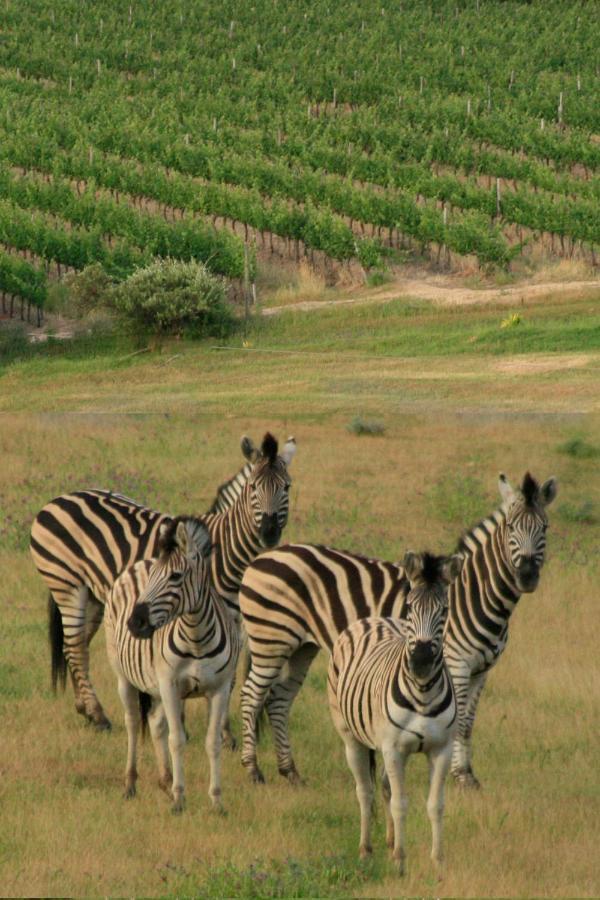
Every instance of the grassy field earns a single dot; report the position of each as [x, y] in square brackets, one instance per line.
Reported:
[459, 399]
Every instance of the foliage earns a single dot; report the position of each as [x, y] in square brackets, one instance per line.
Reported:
[579, 448]
[358, 425]
[172, 297]
[89, 290]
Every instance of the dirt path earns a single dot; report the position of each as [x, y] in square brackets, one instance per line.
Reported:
[436, 291]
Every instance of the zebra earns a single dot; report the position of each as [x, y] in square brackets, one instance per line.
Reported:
[390, 690]
[80, 542]
[296, 600]
[187, 647]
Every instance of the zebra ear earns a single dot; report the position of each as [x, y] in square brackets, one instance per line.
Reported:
[507, 492]
[413, 565]
[289, 450]
[452, 567]
[548, 491]
[249, 449]
[182, 537]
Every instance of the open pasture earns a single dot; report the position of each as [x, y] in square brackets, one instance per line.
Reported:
[164, 428]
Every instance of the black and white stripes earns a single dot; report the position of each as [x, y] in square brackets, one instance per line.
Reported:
[169, 635]
[390, 690]
[298, 598]
[80, 543]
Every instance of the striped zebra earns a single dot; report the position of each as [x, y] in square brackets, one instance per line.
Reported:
[390, 690]
[298, 598]
[80, 542]
[187, 647]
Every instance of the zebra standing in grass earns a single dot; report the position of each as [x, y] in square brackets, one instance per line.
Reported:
[187, 647]
[80, 543]
[390, 690]
[298, 598]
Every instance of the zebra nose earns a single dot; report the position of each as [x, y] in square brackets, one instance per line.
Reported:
[270, 532]
[139, 622]
[422, 655]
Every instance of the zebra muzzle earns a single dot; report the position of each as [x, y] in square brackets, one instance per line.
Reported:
[422, 658]
[270, 530]
[139, 622]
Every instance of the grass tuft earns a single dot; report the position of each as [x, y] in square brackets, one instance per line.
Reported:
[331, 877]
[358, 425]
[579, 448]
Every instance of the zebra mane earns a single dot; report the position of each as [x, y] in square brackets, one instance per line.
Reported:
[269, 448]
[530, 489]
[432, 568]
[491, 520]
[167, 542]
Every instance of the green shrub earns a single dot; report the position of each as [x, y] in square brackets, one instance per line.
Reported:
[87, 292]
[579, 448]
[173, 297]
[358, 425]
[368, 251]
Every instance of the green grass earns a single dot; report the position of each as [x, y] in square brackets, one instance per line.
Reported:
[164, 427]
[415, 328]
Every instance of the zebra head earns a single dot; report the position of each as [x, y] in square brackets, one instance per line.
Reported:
[268, 487]
[525, 527]
[178, 580]
[426, 607]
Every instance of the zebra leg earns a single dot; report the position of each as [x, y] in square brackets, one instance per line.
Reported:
[81, 620]
[169, 694]
[394, 763]
[462, 750]
[279, 703]
[227, 735]
[159, 731]
[439, 766]
[217, 712]
[254, 692]
[358, 759]
[386, 793]
[129, 699]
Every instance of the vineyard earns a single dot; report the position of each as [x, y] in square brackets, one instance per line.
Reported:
[211, 131]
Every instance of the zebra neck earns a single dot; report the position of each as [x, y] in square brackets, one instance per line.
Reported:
[203, 627]
[486, 568]
[420, 695]
[235, 534]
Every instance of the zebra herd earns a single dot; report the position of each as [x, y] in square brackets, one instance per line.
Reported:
[410, 643]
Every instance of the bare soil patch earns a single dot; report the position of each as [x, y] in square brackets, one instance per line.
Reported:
[440, 290]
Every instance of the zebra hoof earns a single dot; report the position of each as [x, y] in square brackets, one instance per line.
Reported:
[99, 722]
[129, 793]
[257, 777]
[466, 781]
[294, 778]
[365, 852]
[230, 743]
[178, 806]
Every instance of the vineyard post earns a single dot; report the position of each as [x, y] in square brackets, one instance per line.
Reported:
[498, 197]
[246, 289]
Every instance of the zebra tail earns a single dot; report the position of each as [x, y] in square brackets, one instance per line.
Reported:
[145, 701]
[56, 637]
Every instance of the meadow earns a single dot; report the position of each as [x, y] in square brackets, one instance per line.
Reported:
[456, 399]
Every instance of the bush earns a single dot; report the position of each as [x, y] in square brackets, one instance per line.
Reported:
[358, 425]
[88, 292]
[173, 297]
[579, 448]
